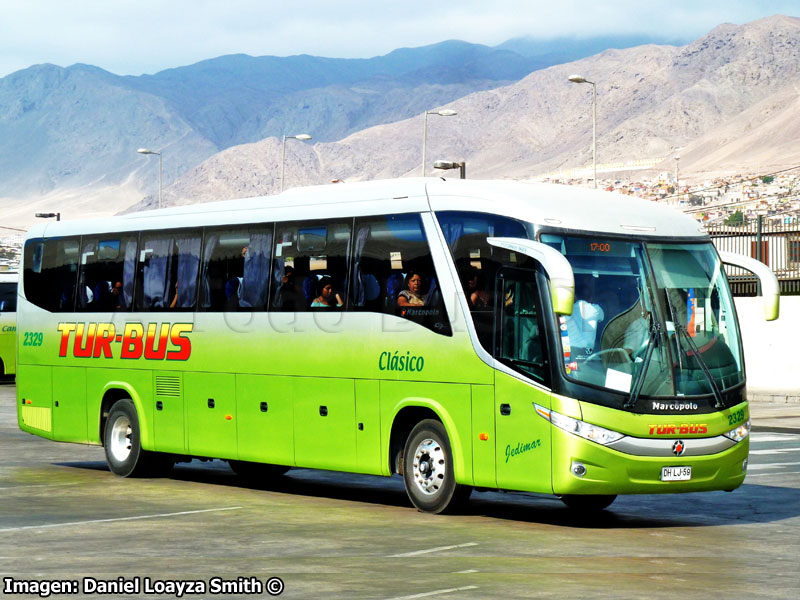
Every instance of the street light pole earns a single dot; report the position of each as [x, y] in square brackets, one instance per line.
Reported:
[449, 164]
[442, 113]
[146, 151]
[580, 79]
[300, 136]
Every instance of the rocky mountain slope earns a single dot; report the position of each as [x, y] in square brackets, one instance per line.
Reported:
[78, 128]
[726, 100]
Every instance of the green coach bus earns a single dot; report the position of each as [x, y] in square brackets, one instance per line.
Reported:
[8, 324]
[463, 334]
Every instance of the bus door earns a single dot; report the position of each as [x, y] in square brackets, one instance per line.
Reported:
[522, 437]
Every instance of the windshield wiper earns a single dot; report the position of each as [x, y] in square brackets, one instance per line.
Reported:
[655, 334]
[681, 329]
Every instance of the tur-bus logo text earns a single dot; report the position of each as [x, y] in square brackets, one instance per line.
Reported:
[154, 341]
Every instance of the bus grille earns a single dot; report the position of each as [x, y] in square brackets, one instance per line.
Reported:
[168, 385]
[37, 417]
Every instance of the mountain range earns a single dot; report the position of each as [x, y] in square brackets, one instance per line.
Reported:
[726, 103]
[68, 136]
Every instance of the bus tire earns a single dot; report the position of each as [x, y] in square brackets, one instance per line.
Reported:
[257, 471]
[587, 503]
[122, 442]
[428, 470]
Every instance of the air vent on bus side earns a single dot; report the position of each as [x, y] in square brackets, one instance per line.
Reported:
[168, 385]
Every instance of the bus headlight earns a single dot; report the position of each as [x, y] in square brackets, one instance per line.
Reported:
[741, 432]
[593, 433]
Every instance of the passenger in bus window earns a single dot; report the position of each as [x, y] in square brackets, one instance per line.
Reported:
[412, 294]
[117, 299]
[327, 297]
[287, 295]
[475, 289]
[582, 324]
[174, 302]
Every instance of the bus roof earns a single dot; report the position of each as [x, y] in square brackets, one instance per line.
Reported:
[558, 206]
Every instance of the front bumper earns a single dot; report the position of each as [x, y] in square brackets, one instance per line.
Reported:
[609, 471]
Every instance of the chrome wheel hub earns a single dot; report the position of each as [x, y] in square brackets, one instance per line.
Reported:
[120, 442]
[429, 467]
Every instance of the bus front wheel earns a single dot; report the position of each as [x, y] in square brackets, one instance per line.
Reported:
[587, 503]
[122, 441]
[428, 470]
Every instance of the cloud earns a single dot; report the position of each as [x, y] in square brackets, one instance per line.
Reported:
[145, 36]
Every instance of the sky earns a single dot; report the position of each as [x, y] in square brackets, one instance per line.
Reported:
[131, 37]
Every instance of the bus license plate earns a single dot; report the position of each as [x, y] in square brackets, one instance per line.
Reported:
[676, 473]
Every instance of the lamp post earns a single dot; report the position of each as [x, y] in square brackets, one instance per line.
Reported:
[146, 151]
[442, 113]
[49, 216]
[303, 137]
[580, 79]
[449, 164]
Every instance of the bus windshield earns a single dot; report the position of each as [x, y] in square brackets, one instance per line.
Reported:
[649, 319]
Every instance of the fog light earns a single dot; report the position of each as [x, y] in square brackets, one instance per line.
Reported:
[744, 466]
[578, 469]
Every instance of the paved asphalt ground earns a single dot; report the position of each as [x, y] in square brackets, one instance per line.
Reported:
[329, 535]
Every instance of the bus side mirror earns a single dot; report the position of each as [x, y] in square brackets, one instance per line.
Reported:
[770, 288]
[557, 267]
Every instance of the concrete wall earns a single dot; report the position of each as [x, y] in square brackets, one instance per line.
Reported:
[771, 350]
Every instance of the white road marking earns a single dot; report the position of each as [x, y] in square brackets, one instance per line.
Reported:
[758, 438]
[752, 467]
[468, 571]
[38, 485]
[429, 550]
[156, 516]
[436, 593]
[774, 451]
[776, 474]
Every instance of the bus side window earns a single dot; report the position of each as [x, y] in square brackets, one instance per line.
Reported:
[393, 271]
[50, 273]
[477, 262]
[520, 339]
[8, 297]
[168, 267]
[305, 254]
[235, 269]
[107, 269]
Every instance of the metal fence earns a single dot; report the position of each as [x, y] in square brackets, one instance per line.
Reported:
[775, 244]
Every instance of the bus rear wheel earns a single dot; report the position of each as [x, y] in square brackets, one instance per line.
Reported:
[428, 470]
[122, 441]
[588, 503]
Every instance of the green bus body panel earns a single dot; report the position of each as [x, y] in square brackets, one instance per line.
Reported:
[368, 427]
[325, 423]
[135, 384]
[169, 421]
[210, 408]
[266, 436]
[70, 418]
[451, 403]
[8, 343]
[35, 400]
[484, 470]
[523, 437]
